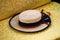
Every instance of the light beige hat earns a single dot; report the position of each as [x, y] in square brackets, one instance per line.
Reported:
[23, 21]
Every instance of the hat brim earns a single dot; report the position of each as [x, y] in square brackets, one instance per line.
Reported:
[14, 23]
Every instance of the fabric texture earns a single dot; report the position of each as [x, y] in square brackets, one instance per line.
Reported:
[51, 33]
[10, 7]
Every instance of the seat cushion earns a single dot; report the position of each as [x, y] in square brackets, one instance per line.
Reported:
[51, 33]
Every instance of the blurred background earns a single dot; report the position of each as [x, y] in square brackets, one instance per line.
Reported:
[56, 1]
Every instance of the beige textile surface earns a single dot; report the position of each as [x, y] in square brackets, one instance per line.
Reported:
[53, 32]
[10, 7]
